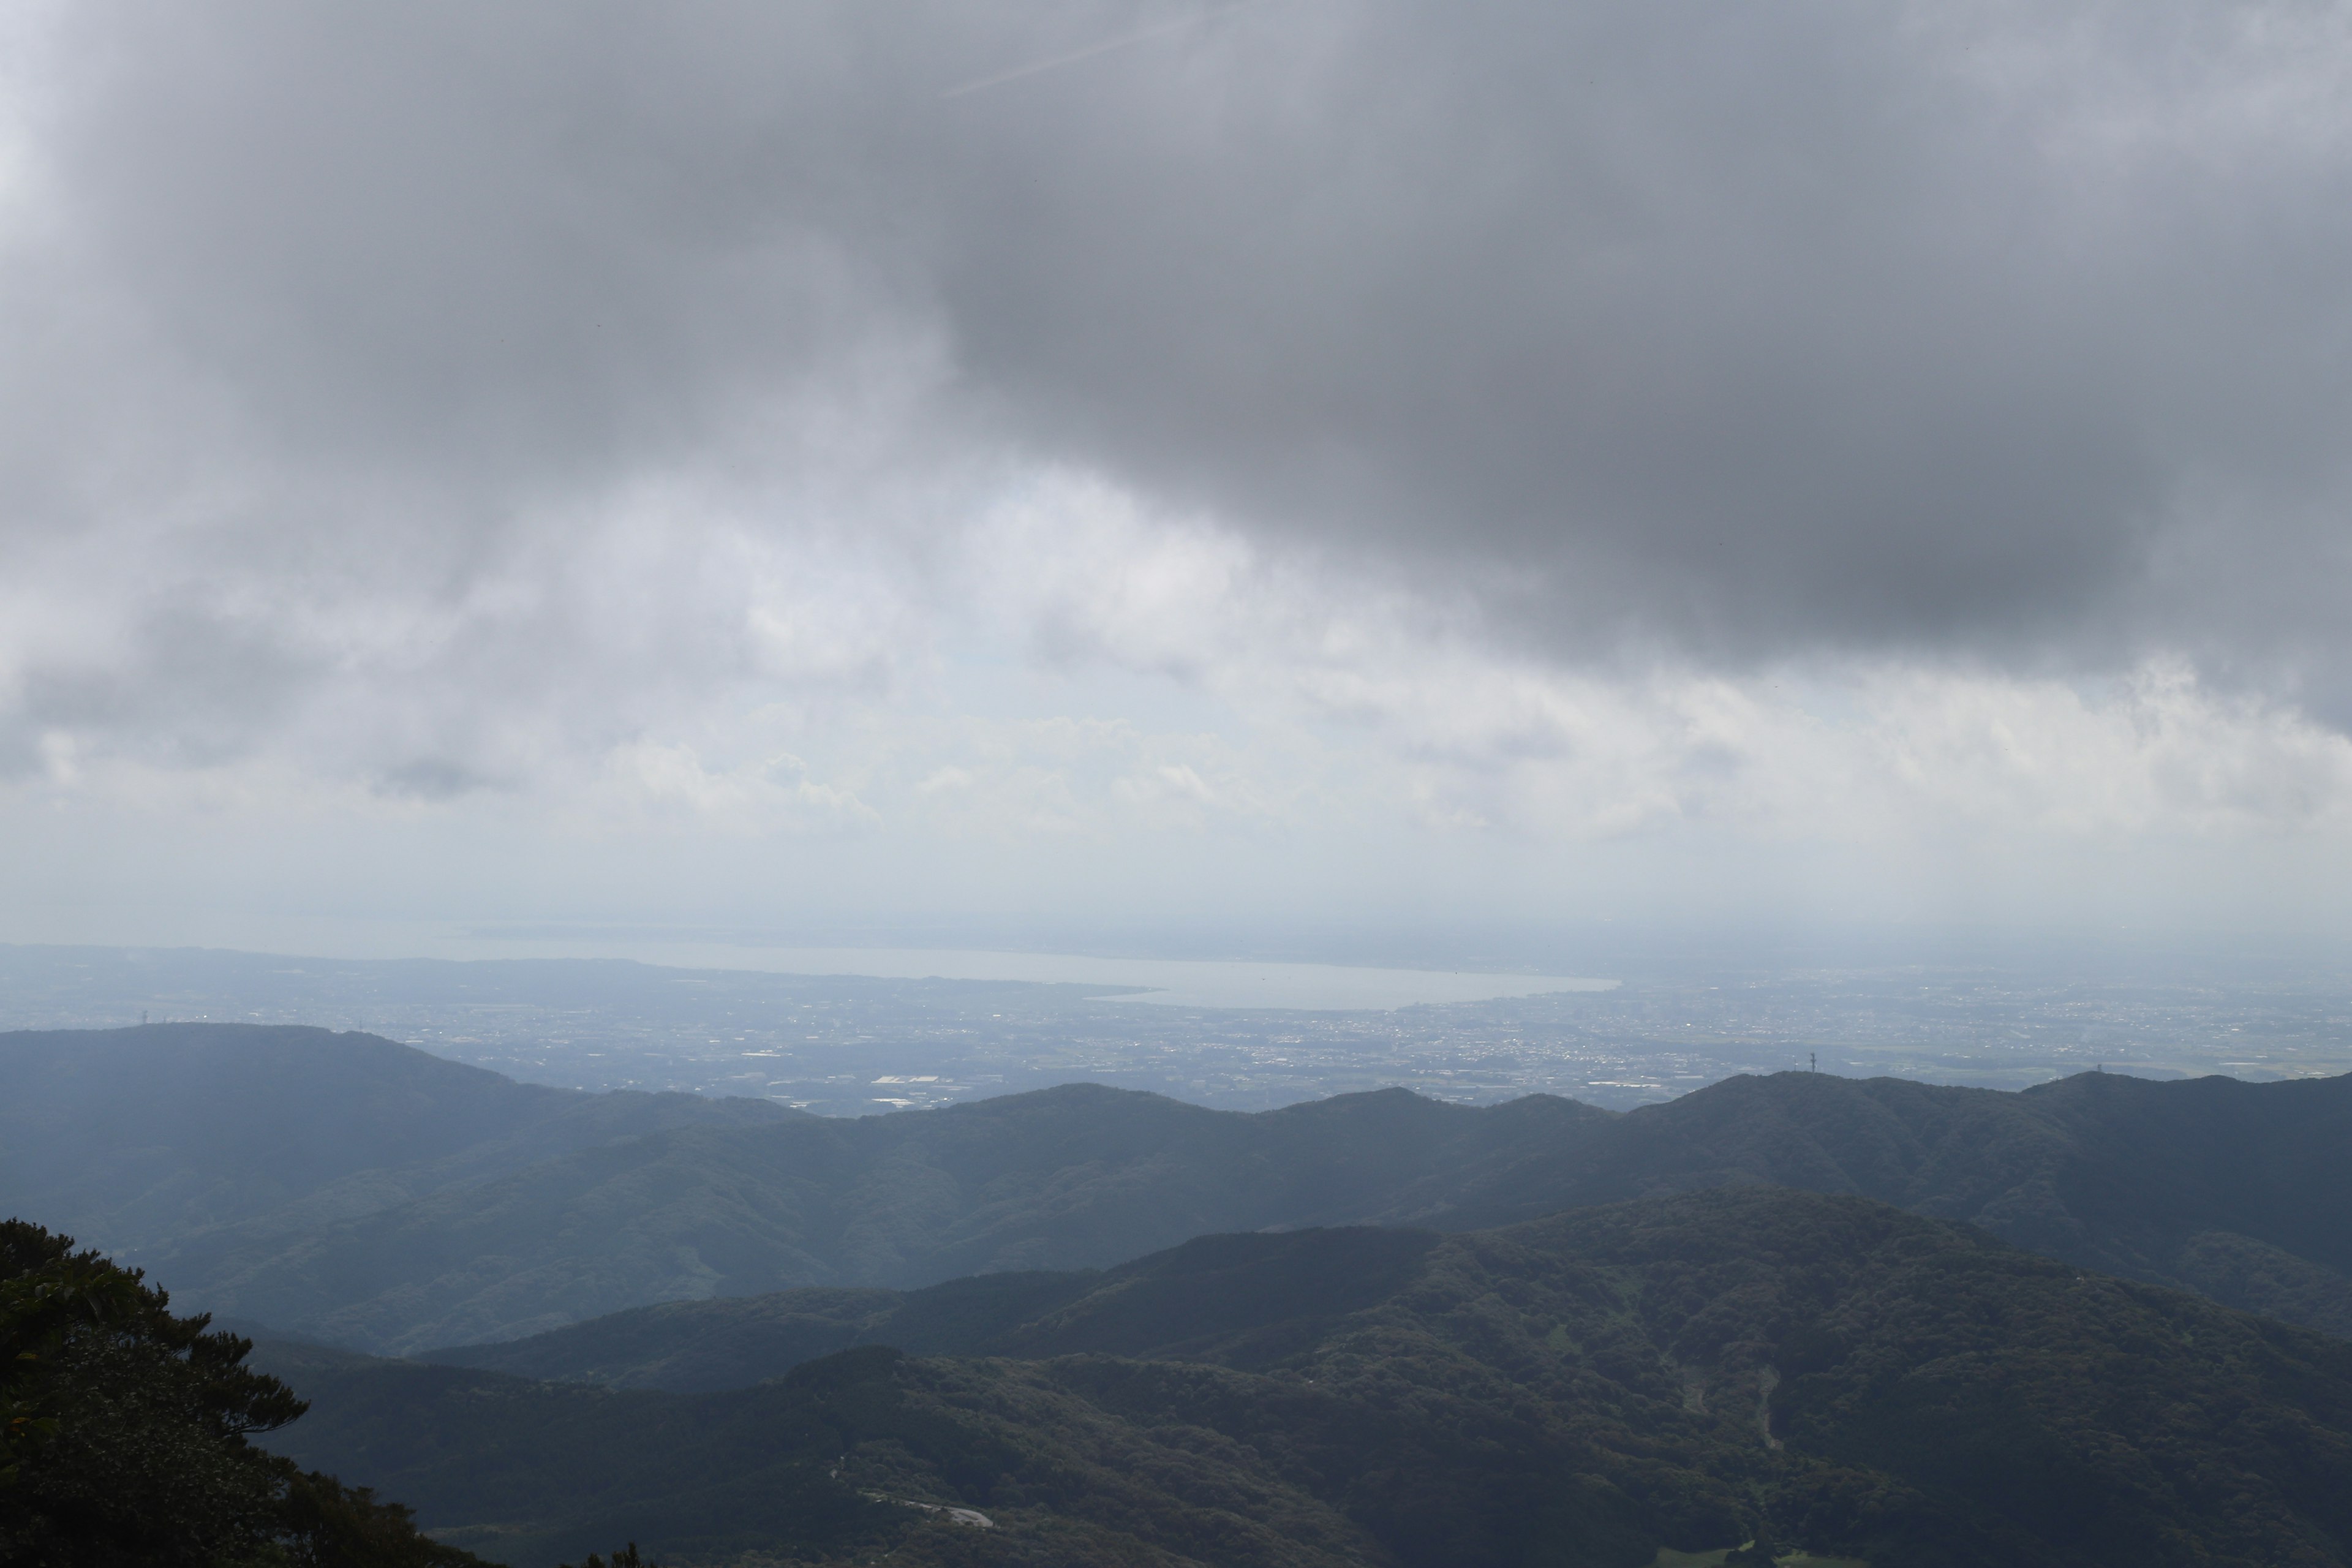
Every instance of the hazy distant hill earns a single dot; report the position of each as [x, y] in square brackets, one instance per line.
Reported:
[1573, 1391]
[2242, 1191]
[2239, 1190]
[2157, 1181]
[368, 1193]
[1061, 1178]
[132, 1138]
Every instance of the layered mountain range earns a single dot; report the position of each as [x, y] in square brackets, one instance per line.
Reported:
[1665, 1381]
[1791, 1318]
[356, 1191]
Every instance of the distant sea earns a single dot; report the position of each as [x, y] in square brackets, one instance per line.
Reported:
[1167, 981]
[1163, 982]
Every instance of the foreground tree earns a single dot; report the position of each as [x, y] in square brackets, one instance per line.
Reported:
[124, 1437]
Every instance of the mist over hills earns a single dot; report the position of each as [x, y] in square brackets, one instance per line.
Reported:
[1374, 1329]
[1065, 1178]
[1688, 1372]
[2106, 1171]
[2240, 1191]
[360, 1192]
[136, 1138]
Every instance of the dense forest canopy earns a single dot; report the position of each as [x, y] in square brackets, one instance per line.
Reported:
[1817, 1372]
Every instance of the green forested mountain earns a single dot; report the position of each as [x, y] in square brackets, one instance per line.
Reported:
[1691, 1373]
[132, 1138]
[706, 1346]
[2252, 1207]
[1062, 1178]
[362, 1191]
[2240, 1191]
[999, 1310]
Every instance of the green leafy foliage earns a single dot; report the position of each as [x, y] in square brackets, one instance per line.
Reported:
[128, 1433]
[624, 1558]
[321, 1523]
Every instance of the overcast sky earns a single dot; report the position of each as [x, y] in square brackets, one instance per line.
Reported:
[1307, 460]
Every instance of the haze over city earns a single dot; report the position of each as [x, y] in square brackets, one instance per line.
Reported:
[1176, 784]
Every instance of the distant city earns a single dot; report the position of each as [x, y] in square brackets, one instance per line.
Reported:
[844, 1045]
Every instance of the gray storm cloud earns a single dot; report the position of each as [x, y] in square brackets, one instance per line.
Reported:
[1998, 333]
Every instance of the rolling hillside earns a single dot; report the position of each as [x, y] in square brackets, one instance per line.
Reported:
[2103, 1171]
[1062, 1178]
[134, 1138]
[1826, 1372]
[360, 1191]
[2240, 1191]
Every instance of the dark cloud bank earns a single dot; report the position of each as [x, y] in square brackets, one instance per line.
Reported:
[2004, 332]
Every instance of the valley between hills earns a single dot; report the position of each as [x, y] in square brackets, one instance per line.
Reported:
[2104, 1320]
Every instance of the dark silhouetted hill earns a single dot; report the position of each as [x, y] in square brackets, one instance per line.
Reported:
[1210, 1293]
[356, 1191]
[2240, 1191]
[1825, 1372]
[139, 1137]
[1062, 1178]
[2209, 1185]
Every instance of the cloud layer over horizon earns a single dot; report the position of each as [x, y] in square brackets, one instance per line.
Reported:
[1871, 425]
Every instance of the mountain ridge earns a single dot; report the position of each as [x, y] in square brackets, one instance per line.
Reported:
[2240, 1191]
[532, 1208]
[1688, 1372]
[135, 1137]
[1057, 1178]
[1086, 1177]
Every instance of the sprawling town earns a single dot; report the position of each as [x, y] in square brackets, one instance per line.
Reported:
[846, 1045]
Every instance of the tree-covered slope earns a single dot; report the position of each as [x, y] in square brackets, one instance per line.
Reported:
[2242, 1191]
[138, 1138]
[1824, 1373]
[358, 1191]
[1181, 1302]
[126, 1436]
[2205, 1185]
[1062, 1178]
